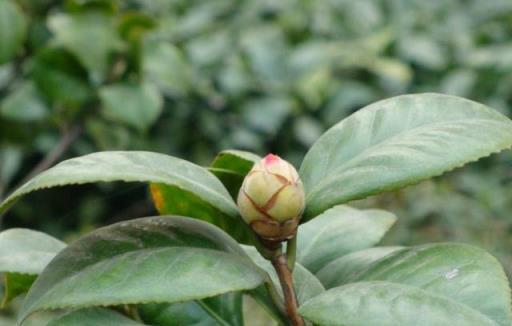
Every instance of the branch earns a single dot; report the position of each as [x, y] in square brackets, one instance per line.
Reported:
[65, 141]
[280, 264]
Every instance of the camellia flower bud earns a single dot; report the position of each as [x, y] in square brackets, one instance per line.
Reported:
[271, 199]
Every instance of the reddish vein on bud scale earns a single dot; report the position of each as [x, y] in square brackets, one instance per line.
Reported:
[271, 199]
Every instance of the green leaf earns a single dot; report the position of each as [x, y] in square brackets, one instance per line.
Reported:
[90, 36]
[155, 259]
[256, 315]
[60, 78]
[397, 142]
[231, 167]
[134, 25]
[225, 309]
[24, 104]
[270, 296]
[171, 200]
[306, 284]
[93, 317]
[135, 166]
[177, 314]
[388, 304]
[423, 50]
[347, 268]
[166, 66]
[13, 29]
[15, 285]
[107, 135]
[240, 162]
[267, 114]
[459, 272]
[136, 105]
[36, 320]
[24, 254]
[266, 50]
[11, 162]
[339, 231]
[231, 180]
[27, 252]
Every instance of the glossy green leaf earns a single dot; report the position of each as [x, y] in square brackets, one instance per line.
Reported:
[16, 284]
[231, 167]
[37, 320]
[306, 284]
[155, 259]
[23, 255]
[225, 309]
[135, 105]
[388, 304]
[397, 142]
[91, 30]
[339, 231]
[460, 272]
[93, 317]
[267, 300]
[27, 252]
[270, 296]
[135, 166]
[347, 268]
[256, 315]
[171, 200]
[231, 180]
[177, 314]
[237, 161]
[13, 28]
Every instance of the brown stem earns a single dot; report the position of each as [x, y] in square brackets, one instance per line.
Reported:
[65, 141]
[285, 278]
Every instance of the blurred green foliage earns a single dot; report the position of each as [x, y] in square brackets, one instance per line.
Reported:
[191, 77]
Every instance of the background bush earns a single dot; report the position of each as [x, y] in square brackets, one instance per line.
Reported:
[190, 78]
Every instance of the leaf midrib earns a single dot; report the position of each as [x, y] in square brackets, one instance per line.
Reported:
[431, 294]
[212, 313]
[416, 130]
[363, 274]
[155, 178]
[56, 285]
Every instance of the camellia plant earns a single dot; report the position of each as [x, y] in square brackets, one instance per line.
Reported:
[291, 246]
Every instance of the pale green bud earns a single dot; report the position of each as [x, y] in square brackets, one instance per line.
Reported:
[271, 199]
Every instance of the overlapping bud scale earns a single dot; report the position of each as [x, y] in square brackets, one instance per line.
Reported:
[271, 199]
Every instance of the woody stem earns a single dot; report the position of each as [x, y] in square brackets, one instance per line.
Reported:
[280, 263]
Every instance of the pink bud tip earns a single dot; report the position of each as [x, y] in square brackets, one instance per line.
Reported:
[271, 159]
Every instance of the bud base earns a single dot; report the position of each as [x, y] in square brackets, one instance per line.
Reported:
[274, 231]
